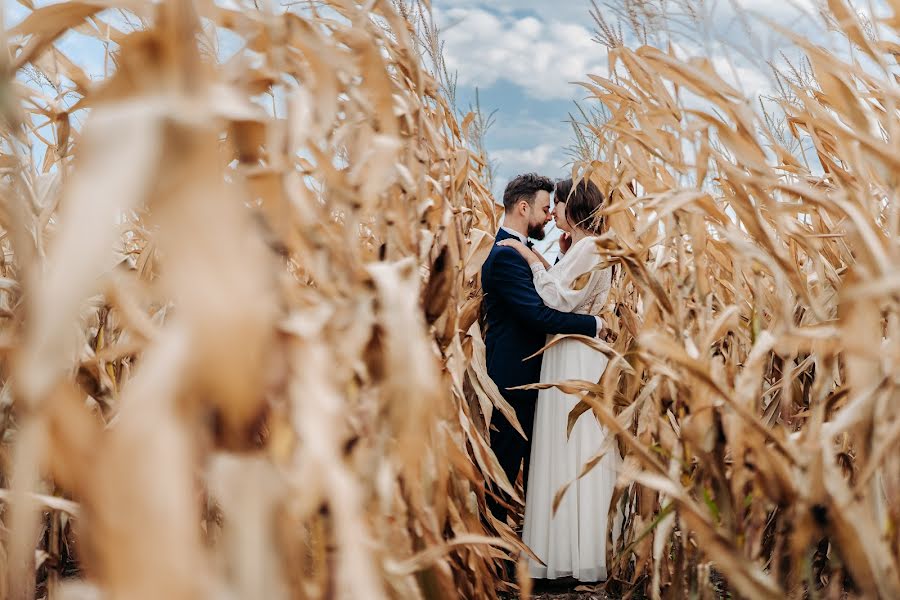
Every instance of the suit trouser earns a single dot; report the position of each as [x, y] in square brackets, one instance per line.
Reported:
[511, 449]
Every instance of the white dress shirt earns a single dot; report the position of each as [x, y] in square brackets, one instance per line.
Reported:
[518, 235]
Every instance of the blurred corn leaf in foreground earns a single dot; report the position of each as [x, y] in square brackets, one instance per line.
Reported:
[239, 304]
[216, 264]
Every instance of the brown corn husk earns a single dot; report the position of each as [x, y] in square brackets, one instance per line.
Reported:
[239, 298]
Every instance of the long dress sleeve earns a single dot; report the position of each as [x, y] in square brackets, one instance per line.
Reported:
[509, 278]
[574, 282]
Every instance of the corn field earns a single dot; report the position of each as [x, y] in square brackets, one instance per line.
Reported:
[242, 355]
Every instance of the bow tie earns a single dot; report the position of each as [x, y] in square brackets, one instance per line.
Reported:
[530, 244]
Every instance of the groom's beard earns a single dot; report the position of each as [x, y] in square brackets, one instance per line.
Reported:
[536, 231]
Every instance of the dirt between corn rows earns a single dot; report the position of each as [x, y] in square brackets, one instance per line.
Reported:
[566, 591]
[571, 595]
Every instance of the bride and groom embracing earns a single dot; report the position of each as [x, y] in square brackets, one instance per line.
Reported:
[526, 300]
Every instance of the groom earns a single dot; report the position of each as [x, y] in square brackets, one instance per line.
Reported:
[518, 322]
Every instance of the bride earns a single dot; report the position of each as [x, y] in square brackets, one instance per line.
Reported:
[571, 543]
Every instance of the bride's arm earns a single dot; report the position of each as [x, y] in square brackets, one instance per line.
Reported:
[569, 283]
[541, 258]
[531, 256]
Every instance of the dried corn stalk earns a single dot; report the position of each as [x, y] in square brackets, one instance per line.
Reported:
[240, 308]
[757, 308]
[240, 316]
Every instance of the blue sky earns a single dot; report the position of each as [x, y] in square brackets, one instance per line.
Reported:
[523, 55]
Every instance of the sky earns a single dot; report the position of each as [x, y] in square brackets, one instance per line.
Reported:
[525, 55]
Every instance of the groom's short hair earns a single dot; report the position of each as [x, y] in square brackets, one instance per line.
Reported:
[525, 187]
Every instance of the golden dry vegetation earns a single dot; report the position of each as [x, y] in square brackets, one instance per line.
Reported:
[242, 355]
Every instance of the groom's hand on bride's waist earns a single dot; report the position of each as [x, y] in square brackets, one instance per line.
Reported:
[601, 326]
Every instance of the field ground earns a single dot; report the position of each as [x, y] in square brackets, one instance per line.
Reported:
[570, 595]
[566, 590]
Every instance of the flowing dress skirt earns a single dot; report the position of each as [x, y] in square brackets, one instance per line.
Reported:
[572, 542]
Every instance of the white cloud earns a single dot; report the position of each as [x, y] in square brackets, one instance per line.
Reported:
[750, 80]
[530, 50]
[546, 157]
[541, 158]
[775, 9]
[564, 10]
[541, 58]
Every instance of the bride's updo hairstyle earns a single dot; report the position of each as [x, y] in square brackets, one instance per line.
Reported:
[583, 203]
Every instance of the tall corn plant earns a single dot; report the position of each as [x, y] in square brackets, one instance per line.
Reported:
[239, 309]
[752, 387]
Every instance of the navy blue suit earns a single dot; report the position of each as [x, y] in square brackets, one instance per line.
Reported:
[517, 325]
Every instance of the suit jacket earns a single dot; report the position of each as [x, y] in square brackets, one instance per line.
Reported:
[518, 322]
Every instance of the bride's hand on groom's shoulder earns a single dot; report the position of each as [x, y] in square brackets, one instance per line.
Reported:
[531, 256]
[511, 243]
[517, 246]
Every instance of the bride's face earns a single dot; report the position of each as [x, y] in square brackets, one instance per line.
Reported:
[559, 215]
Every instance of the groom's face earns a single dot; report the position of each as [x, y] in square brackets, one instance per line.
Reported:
[540, 215]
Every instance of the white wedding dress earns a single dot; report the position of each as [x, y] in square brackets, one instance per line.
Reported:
[573, 541]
